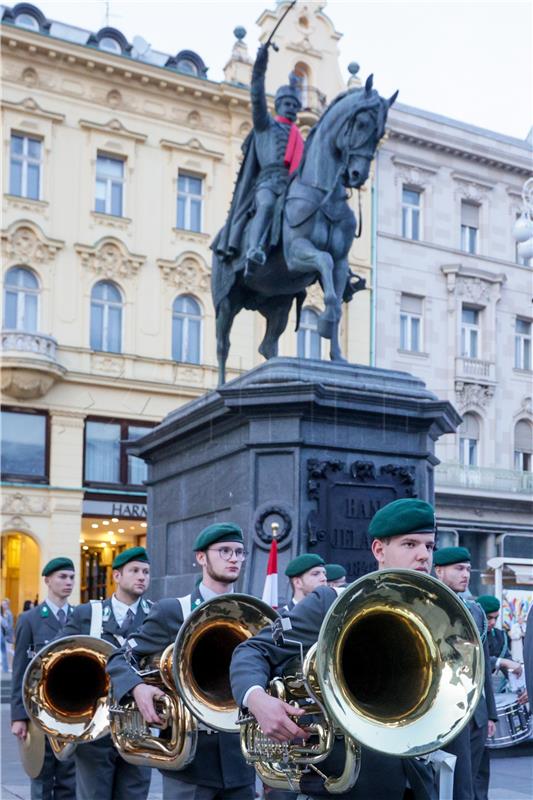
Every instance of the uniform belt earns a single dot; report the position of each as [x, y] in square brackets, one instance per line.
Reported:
[205, 729]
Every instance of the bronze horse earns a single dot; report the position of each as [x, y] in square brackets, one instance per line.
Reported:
[318, 228]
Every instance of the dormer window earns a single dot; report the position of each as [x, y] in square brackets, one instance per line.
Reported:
[110, 45]
[27, 21]
[187, 66]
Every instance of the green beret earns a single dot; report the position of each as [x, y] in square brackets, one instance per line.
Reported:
[302, 563]
[218, 532]
[451, 555]
[407, 515]
[489, 603]
[334, 572]
[131, 554]
[56, 564]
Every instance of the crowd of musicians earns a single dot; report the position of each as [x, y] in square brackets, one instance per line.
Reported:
[402, 536]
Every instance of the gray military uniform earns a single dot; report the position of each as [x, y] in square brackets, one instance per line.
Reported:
[218, 769]
[258, 659]
[101, 772]
[35, 628]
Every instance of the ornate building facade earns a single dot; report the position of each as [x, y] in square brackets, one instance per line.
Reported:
[119, 165]
[454, 308]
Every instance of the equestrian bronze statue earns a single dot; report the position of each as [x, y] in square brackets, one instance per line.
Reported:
[289, 224]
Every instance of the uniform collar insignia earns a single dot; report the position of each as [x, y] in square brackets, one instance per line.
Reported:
[197, 602]
[45, 611]
[107, 613]
[144, 605]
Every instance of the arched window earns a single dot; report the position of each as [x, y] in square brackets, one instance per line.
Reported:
[186, 329]
[27, 21]
[469, 441]
[110, 44]
[308, 336]
[21, 300]
[301, 71]
[106, 317]
[523, 445]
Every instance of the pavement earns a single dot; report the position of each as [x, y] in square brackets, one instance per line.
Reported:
[511, 776]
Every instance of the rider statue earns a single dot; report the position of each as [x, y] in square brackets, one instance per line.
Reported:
[272, 151]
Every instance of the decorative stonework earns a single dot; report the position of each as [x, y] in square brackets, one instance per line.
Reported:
[110, 258]
[473, 285]
[30, 106]
[115, 127]
[470, 395]
[26, 243]
[19, 503]
[189, 273]
[412, 175]
[471, 190]
[110, 365]
[474, 290]
[16, 523]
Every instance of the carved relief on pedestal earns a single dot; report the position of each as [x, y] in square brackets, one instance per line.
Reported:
[469, 395]
[24, 242]
[110, 258]
[189, 273]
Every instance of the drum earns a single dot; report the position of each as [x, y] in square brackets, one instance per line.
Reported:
[513, 722]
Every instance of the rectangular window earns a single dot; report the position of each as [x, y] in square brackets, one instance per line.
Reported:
[469, 227]
[25, 166]
[109, 185]
[106, 457]
[190, 189]
[411, 203]
[470, 333]
[411, 310]
[24, 446]
[522, 344]
[468, 452]
[522, 461]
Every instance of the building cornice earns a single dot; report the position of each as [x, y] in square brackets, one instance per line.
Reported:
[194, 145]
[33, 45]
[444, 143]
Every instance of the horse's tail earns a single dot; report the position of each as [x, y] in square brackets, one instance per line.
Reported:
[300, 300]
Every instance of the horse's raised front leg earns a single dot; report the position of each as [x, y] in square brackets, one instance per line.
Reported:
[304, 257]
[226, 312]
[340, 276]
[276, 314]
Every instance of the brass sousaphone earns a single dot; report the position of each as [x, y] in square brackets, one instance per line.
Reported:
[65, 689]
[398, 667]
[193, 672]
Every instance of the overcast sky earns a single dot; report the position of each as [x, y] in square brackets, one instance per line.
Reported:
[470, 60]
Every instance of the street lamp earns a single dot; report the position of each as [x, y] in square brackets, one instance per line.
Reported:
[523, 227]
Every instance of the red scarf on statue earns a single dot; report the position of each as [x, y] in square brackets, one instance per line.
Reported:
[295, 146]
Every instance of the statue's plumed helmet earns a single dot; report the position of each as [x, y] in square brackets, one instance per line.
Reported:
[290, 90]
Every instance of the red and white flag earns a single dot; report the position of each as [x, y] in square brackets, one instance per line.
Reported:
[270, 592]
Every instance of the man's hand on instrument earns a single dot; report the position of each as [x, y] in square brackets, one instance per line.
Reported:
[19, 728]
[492, 728]
[522, 698]
[513, 666]
[274, 716]
[144, 695]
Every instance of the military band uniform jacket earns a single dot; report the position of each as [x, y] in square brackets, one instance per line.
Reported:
[258, 660]
[498, 643]
[101, 772]
[35, 628]
[218, 761]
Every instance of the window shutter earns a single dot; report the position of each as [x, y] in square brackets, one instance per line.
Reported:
[523, 436]
[411, 304]
[469, 215]
[470, 427]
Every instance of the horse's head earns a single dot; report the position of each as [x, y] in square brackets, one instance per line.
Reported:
[360, 131]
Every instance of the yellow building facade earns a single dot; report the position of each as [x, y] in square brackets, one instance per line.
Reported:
[118, 171]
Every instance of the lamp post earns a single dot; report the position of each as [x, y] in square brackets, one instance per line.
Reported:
[523, 227]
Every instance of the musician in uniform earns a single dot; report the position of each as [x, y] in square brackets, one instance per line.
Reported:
[452, 567]
[101, 773]
[305, 573]
[403, 536]
[500, 660]
[35, 628]
[218, 768]
[336, 576]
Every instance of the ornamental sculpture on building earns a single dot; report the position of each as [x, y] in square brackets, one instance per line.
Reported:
[289, 223]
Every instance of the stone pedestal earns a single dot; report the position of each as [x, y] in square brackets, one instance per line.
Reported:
[317, 447]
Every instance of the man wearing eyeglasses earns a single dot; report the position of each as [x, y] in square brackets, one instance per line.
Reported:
[218, 768]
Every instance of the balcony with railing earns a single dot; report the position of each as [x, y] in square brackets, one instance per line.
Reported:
[475, 370]
[485, 479]
[30, 366]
